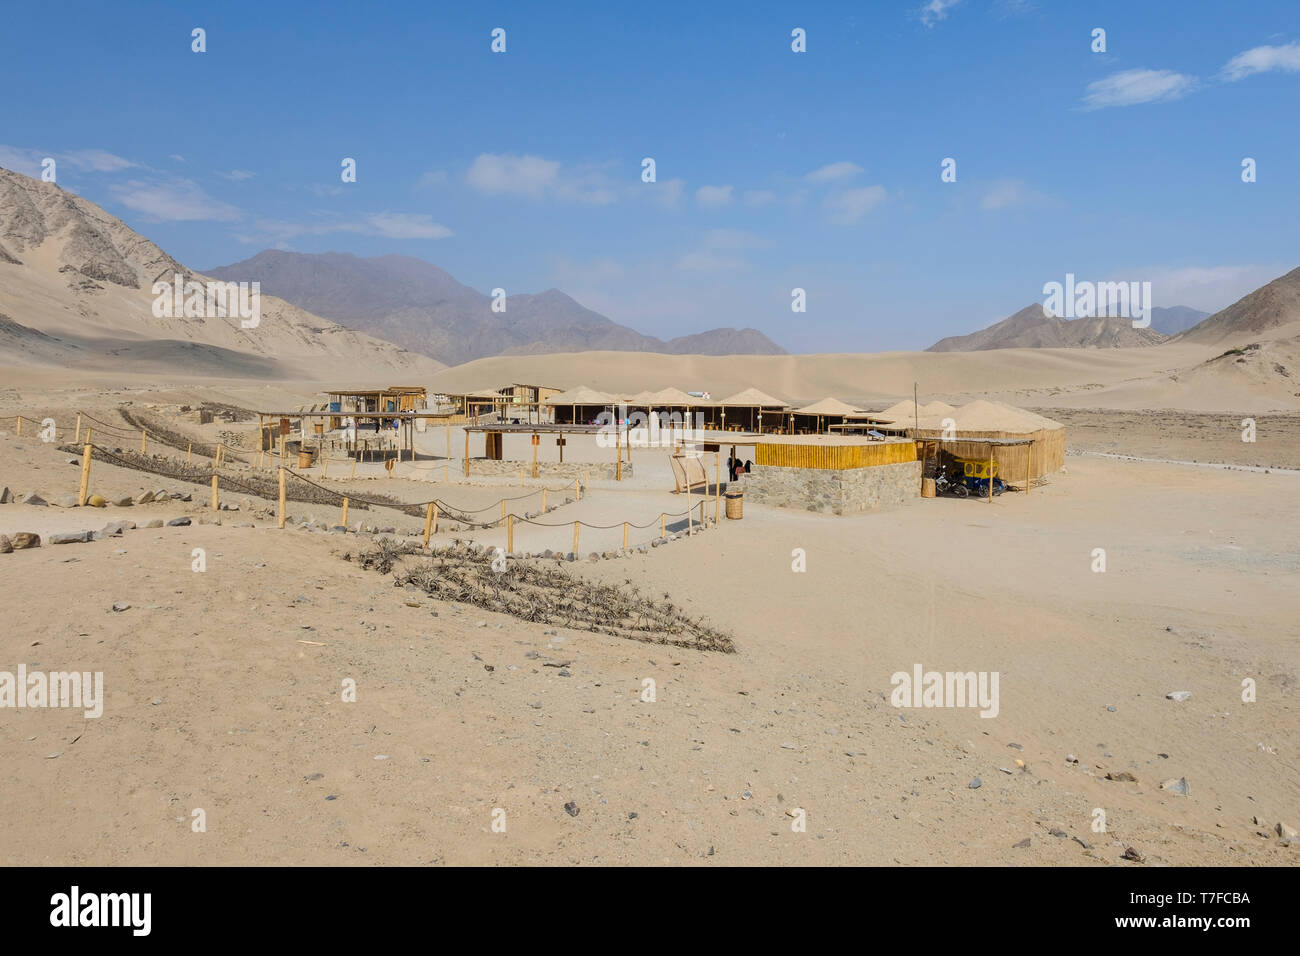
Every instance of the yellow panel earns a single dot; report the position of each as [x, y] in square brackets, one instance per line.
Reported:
[835, 457]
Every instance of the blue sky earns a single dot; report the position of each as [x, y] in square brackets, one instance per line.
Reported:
[775, 169]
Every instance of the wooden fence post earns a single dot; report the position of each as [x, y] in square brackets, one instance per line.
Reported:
[577, 489]
[144, 440]
[663, 530]
[283, 513]
[19, 419]
[344, 520]
[188, 452]
[467, 453]
[503, 509]
[76, 438]
[214, 492]
[430, 521]
[575, 539]
[543, 501]
[510, 534]
[85, 473]
[624, 535]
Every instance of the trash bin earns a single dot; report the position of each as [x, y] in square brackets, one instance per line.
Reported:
[304, 459]
[735, 504]
[927, 488]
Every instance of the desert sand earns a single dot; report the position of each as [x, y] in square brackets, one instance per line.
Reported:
[223, 689]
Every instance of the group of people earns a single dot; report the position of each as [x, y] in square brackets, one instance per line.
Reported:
[737, 467]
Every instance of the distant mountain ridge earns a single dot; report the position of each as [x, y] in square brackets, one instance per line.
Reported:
[1271, 306]
[423, 308]
[1030, 328]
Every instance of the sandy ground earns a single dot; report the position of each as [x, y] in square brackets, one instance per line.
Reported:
[214, 701]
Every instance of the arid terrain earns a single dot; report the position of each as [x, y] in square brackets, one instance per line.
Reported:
[224, 689]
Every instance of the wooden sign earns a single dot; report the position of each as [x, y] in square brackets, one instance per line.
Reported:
[536, 439]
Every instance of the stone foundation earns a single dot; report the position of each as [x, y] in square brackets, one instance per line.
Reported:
[547, 469]
[844, 492]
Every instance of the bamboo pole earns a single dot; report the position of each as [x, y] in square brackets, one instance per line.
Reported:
[535, 441]
[701, 514]
[189, 451]
[354, 466]
[575, 539]
[283, 513]
[19, 419]
[618, 444]
[344, 519]
[663, 531]
[144, 440]
[624, 535]
[577, 490]
[214, 492]
[503, 509]
[543, 501]
[85, 473]
[510, 534]
[76, 438]
[325, 467]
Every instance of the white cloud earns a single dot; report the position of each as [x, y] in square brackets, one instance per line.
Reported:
[713, 196]
[936, 10]
[848, 207]
[97, 161]
[237, 175]
[759, 197]
[508, 174]
[720, 250]
[25, 161]
[669, 192]
[399, 225]
[178, 157]
[1006, 193]
[1208, 288]
[1263, 59]
[178, 201]
[1130, 87]
[833, 172]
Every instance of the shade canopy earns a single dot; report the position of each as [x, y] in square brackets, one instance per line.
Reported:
[582, 395]
[753, 398]
[827, 406]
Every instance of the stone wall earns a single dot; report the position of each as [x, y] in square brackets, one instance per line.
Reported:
[833, 492]
[547, 469]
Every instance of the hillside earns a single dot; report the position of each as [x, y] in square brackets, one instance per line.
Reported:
[423, 308]
[1031, 328]
[75, 292]
[1275, 306]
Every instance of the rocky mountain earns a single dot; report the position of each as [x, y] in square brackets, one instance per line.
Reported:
[1175, 318]
[1031, 329]
[76, 291]
[1272, 306]
[421, 307]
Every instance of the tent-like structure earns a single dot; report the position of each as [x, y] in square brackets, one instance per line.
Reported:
[983, 420]
[578, 406]
[747, 410]
[817, 414]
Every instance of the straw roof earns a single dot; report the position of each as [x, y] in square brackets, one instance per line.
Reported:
[827, 406]
[675, 396]
[582, 395]
[753, 398]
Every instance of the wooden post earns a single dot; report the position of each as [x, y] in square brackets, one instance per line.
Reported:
[663, 531]
[701, 514]
[189, 452]
[88, 431]
[510, 534]
[1029, 466]
[535, 441]
[430, 520]
[354, 465]
[687, 470]
[543, 501]
[503, 509]
[577, 489]
[214, 492]
[344, 519]
[85, 473]
[76, 438]
[717, 484]
[624, 535]
[325, 465]
[282, 450]
[144, 438]
[990, 474]
[467, 453]
[19, 419]
[283, 513]
[618, 444]
[575, 538]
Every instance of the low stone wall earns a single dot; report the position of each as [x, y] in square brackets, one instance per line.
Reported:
[548, 469]
[850, 491]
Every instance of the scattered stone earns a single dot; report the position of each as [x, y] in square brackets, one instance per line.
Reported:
[145, 498]
[564, 674]
[35, 499]
[1178, 695]
[6, 496]
[1287, 833]
[480, 624]
[338, 529]
[64, 501]
[1123, 776]
[25, 539]
[1005, 770]
[1083, 843]
[1132, 854]
[115, 528]
[155, 523]
[6, 545]
[571, 809]
[1111, 708]
[1058, 833]
[72, 537]
[536, 705]
[1016, 746]
[315, 776]
[179, 523]
[125, 501]
[1176, 786]
[1023, 844]
[156, 701]
[788, 746]
[121, 606]
[97, 501]
[977, 782]
[1071, 758]
[633, 815]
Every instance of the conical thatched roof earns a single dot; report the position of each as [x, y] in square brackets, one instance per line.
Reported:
[753, 398]
[675, 396]
[582, 395]
[827, 406]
